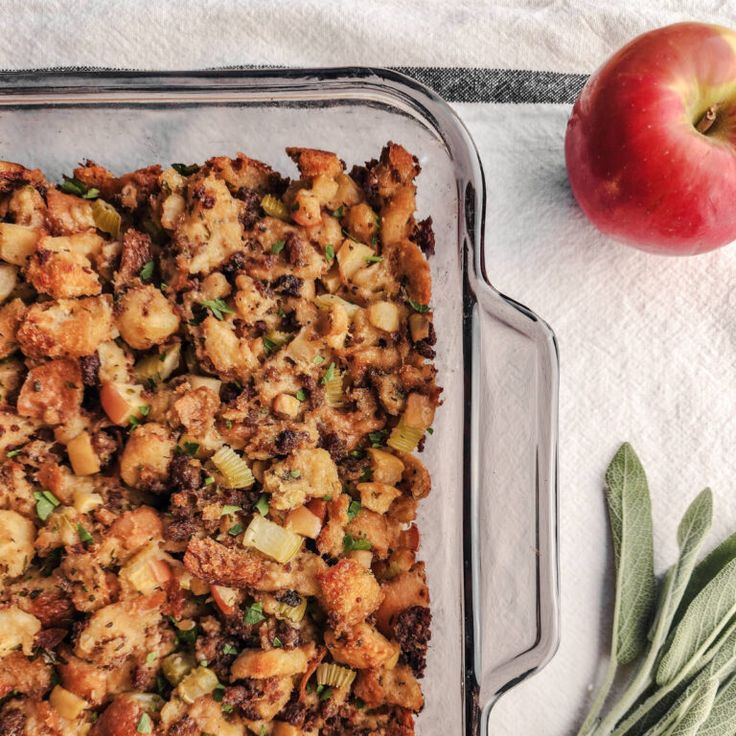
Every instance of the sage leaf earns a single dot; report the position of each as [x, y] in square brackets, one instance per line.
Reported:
[691, 534]
[706, 570]
[630, 511]
[722, 718]
[692, 716]
[707, 616]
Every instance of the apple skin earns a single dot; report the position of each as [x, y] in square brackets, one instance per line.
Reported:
[638, 166]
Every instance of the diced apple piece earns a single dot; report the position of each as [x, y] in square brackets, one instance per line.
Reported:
[304, 522]
[324, 188]
[377, 497]
[351, 257]
[225, 598]
[17, 242]
[8, 280]
[121, 402]
[306, 209]
[384, 316]
[387, 468]
[213, 384]
[419, 412]
[287, 405]
[82, 455]
[66, 703]
[419, 326]
[364, 557]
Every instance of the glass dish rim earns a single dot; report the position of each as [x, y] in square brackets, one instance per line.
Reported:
[33, 88]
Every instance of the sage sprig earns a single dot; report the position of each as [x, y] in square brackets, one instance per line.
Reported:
[681, 642]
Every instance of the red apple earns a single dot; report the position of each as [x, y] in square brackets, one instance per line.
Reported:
[651, 142]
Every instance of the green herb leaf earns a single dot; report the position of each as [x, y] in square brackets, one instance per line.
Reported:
[218, 307]
[353, 509]
[277, 643]
[72, 185]
[209, 480]
[722, 718]
[91, 193]
[686, 718]
[325, 694]
[84, 536]
[318, 360]
[46, 502]
[373, 259]
[144, 410]
[301, 394]
[421, 308]
[13, 453]
[151, 657]
[378, 438]
[227, 510]
[707, 616]
[338, 212]
[254, 614]
[269, 345]
[190, 448]
[185, 169]
[630, 511]
[235, 529]
[351, 543]
[229, 649]
[144, 725]
[147, 271]
[329, 253]
[262, 504]
[278, 246]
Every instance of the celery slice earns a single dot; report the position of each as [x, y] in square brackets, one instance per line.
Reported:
[332, 675]
[274, 207]
[403, 438]
[106, 217]
[272, 540]
[197, 683]
[292, 613]
[232, 467]
[158, 366]
[334, 389]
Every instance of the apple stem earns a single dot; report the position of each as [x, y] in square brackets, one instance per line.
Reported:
[709, 117]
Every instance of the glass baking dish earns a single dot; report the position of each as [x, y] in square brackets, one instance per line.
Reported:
[489, 529]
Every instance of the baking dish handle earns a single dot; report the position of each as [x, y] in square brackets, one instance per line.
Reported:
[512, 517]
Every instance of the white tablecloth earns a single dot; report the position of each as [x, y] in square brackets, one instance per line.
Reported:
[648, 344]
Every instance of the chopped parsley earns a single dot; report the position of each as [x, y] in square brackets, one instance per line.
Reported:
[184, 636]
[329, 252]
[235, 529]
[147, 271]
[378, 439]
[209, 480]
[185, 169]
[338, 212]
[278, 246]
[277, 643]
[430, 430]
[262, 504]
[351, 543]
[144, 410]
[354, 509]
[325, 693]
[421, 308]
[373, 259]
[13, 453]
[227, 708]
[189, 448]
[227, 510]
[254, 614]
[72, 185]
[329, 374]
[84, 536]
[218, 307]
[296, 474]
[151, 657]
[144, 725]
[269, 345]
[318, 360]
[46, 502]
[301, 394]
[229, 649]
[367, 475]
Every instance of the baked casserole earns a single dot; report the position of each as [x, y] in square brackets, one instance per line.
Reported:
[213, 384]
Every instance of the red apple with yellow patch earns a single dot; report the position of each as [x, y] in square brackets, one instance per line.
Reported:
[651, 142]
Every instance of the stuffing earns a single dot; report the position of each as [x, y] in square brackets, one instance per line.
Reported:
[349, 593]
[66, 327]
[52, 392]
[213, 380]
